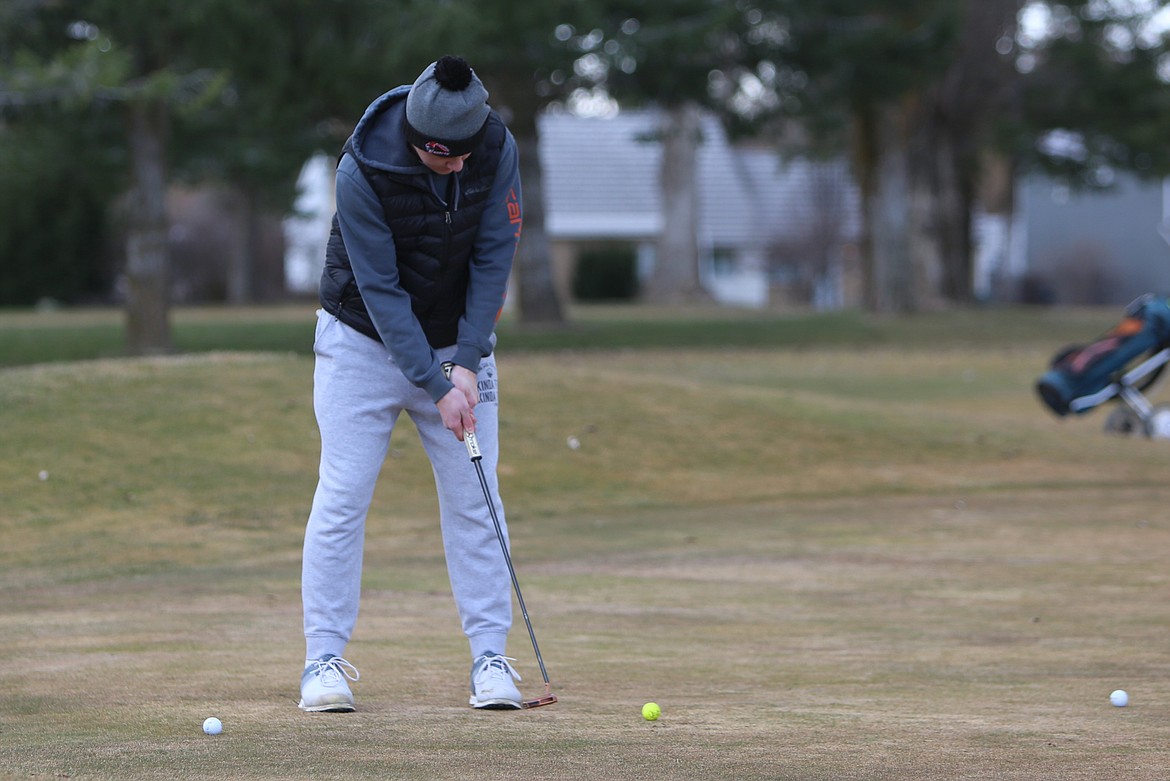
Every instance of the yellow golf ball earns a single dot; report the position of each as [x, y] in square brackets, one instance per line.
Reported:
[651, 711]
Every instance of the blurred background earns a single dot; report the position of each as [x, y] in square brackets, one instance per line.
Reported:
[891, 156]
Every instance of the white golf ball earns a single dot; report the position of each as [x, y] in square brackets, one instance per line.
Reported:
[1119, 698]
[212, 725]
[574, 443]
[43, 475]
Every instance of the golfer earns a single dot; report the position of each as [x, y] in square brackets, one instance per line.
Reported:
[416, 269]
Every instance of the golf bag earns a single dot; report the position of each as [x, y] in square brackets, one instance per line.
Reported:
[1121, 364]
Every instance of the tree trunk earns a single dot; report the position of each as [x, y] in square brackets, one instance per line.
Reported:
[675, 278]
[916, 162]
[953, 203]
[539, 303]
[932, 209]
[993, 275]
[887, 211]
[952, 128]
[148, 329]
[863, 155]
[241, 269]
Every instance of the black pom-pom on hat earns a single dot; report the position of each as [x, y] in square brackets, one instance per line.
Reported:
[446, 109]
[453, 73]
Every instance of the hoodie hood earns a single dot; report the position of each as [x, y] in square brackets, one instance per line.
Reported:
[379, 141]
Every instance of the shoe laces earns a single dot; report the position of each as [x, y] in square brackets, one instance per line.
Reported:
[495, 667]
[333, 669]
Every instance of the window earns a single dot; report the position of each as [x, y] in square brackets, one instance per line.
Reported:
[723, 261]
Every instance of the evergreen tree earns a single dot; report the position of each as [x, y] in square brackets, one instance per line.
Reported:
[920, 92]
[679, 56]
[211, 91]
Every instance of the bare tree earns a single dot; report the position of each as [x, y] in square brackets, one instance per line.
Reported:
[675, 278]
[148, 262]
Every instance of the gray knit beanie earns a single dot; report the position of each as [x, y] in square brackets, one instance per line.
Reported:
[446, 110]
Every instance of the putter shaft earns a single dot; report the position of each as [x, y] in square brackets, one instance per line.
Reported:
[469, 439]
[476, 456]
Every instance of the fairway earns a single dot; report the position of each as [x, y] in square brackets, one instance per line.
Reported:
[831, 564]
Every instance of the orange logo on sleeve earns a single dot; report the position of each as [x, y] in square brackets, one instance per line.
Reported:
[514, 215]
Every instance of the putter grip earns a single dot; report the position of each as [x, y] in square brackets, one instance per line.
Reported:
[472, 445]
[468, 436]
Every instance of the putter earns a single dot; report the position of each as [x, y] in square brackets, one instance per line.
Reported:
[473, 452]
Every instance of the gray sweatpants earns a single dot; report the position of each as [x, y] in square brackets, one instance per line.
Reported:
[358, 394]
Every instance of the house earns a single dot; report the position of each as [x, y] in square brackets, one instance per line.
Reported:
[767, 230]
[774, 231]
[1093, 247]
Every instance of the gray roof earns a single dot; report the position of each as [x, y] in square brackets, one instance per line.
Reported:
[600, 175]
[601, 181]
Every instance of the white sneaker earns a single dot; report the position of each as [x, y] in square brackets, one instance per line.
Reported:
[324, 687]
[491, 683]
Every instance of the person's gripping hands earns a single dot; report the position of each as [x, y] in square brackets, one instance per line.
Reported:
[457, 407]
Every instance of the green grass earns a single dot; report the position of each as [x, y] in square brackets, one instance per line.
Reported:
[842, 559]
[28, 337]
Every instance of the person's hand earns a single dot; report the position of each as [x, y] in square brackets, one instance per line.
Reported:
[458, 407]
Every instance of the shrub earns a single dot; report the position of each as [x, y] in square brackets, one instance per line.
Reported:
[606, 274]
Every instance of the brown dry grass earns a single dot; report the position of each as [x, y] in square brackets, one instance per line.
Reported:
[823, 565]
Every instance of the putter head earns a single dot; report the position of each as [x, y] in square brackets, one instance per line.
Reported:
[548, 698]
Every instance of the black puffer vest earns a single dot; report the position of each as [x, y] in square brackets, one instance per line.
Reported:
[433, 243]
